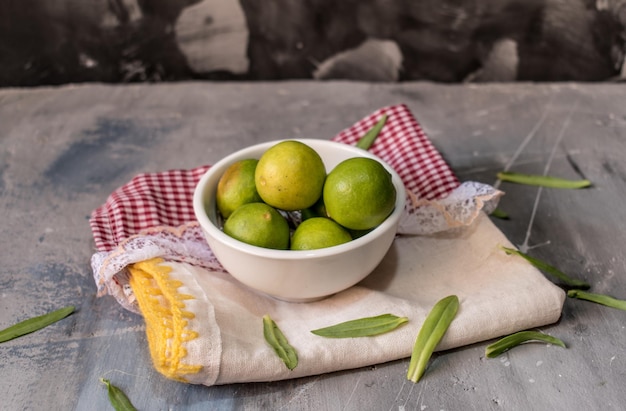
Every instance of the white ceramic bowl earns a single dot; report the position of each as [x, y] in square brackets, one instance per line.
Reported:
[297, 276]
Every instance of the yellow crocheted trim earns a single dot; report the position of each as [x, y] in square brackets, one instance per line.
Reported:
[120, 248]
[163, 308]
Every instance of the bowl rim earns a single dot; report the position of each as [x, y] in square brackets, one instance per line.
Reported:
[212, 230]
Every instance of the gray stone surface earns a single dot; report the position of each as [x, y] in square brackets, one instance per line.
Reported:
[63, 150]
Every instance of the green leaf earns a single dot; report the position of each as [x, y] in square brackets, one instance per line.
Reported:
[117, 398]
[547, 268]
[510, 341]
[276, 339]
[543, 181]
[33, 324]
[432, 331]
[362, 327]
[368, 139]
[598, 299]
[499, 213]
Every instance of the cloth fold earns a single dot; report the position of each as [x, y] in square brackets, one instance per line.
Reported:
[204, 327]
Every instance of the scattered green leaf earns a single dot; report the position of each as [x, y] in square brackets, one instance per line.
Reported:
[432, 331]
[368, 139]
[499, 213]
[543, 181]
[117, 398]
[363, 327]
[510, 341]
[33, 324]
[276, 339]
[547, 268]
[598, 299]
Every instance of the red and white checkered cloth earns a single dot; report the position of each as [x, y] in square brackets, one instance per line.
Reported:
[165, 198]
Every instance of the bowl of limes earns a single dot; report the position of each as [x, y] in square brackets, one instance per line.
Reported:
[299, 220]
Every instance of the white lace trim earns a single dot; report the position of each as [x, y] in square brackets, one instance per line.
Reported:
[460, 208]
[184, 244]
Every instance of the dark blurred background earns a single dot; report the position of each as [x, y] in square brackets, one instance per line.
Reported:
[45, 42]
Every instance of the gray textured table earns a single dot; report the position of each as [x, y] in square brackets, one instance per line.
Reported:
[63, 150]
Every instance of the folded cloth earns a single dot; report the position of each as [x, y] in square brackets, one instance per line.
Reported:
[204, 327]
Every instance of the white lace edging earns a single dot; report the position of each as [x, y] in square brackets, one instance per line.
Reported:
[460, 208]
[183, 244]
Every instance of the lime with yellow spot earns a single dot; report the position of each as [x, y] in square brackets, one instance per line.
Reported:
[318, 232]
[258, 224]
[290, 176]
[359, 193]
[236, 187]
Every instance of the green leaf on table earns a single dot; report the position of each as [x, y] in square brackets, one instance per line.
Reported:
[368, 139]
[33, 324]
[542, 181]
[499, 213]
[547, 268]
[277, 340]
[513, 340]
[117, 398]
[434, 328]
[598, 299]
[362, 327]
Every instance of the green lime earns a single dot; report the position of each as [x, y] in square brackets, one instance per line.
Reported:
[290, 176]
[258, 224]
[318, 232]
[359, 193]
[236, 187]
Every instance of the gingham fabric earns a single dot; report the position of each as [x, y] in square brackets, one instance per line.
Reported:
[148, 200]
[165, 198]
